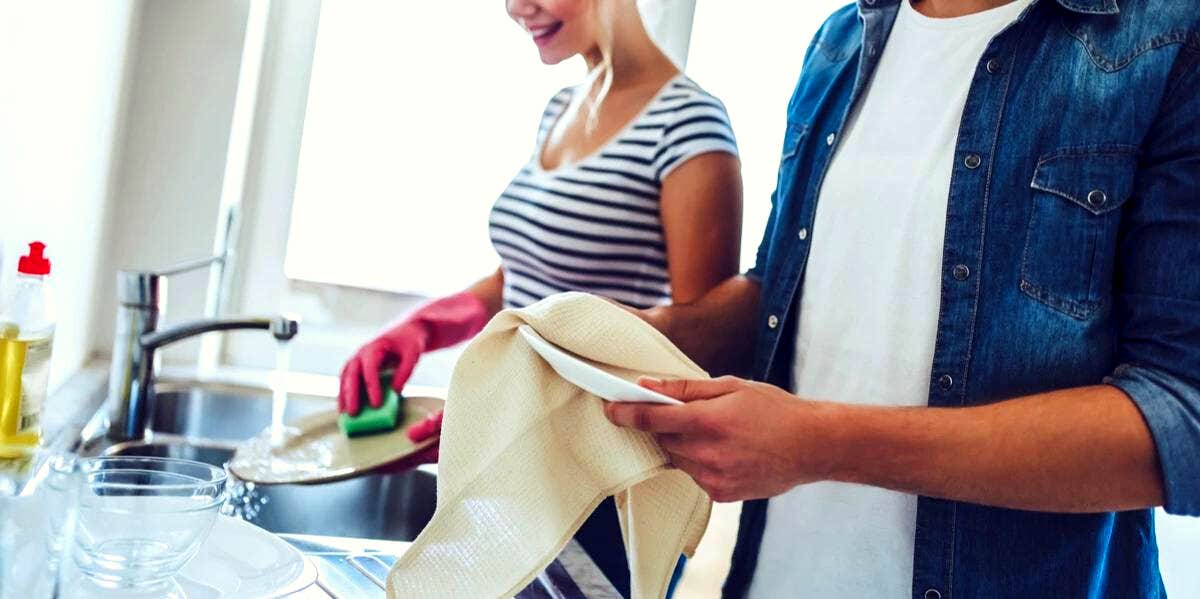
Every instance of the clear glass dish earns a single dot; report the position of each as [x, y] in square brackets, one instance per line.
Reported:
[142, 519]
[38, 495]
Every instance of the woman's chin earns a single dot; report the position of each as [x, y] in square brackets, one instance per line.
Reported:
[550, 57]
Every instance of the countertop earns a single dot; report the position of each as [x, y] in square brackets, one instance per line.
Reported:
[354, 568]
[348, 568]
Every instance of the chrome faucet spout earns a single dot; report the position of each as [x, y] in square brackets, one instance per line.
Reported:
[140, 295]
[280, 327]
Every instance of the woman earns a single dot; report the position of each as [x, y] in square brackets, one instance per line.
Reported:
[633, 193]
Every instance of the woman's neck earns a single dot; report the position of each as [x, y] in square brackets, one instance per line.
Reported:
[635, 59]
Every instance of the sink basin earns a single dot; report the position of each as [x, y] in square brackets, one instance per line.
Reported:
[206, 425]
[230, 414]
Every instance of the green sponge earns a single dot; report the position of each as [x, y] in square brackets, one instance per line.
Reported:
[373, 420]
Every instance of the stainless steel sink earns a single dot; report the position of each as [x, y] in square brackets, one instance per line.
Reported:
[207, 424]
[223, 412]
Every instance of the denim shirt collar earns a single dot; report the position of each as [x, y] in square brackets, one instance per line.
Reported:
[1091, 7]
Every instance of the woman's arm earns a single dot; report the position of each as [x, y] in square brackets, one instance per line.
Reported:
[713, 307]
[717, 330]
[490, 290]
[701, 208]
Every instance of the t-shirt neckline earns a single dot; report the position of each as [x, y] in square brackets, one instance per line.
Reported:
[1002, 14]
[626, 128]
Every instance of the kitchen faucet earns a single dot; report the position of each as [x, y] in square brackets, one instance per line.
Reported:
[140, 299]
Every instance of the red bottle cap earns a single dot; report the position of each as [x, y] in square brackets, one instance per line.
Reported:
[35, 263]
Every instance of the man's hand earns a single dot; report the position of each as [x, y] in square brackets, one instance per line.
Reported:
[737, 439]
[1080, 450]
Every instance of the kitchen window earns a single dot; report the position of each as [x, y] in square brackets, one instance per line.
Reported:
[419, 114]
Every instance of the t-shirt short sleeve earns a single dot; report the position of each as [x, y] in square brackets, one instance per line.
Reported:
[696, 123]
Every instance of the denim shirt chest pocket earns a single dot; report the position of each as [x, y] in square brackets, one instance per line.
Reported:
[1070, 245]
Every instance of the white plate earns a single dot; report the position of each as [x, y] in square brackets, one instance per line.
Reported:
[579, 372]
[242, 560]
[237, 560]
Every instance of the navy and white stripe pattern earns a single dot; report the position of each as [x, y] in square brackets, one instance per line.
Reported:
[594, 225]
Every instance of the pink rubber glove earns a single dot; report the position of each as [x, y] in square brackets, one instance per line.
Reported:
[439, 324]
[429, 427]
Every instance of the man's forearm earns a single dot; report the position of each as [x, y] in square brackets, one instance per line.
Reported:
[1078, 450]
[717, 330]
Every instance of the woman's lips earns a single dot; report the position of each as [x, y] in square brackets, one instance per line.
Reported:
[543, 35]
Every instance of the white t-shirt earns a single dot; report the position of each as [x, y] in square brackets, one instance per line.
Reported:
[869, 306]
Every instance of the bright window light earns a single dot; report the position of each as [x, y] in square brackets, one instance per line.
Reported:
[749, 55]
[419, 114]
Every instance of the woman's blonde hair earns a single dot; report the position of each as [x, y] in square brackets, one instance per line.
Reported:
[604, 69]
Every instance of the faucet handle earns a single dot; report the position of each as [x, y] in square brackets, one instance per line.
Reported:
[190, 265]
[144, 288]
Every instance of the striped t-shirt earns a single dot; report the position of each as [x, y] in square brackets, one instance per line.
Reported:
[594, 225]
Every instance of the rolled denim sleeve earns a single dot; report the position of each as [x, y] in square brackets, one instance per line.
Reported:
[1157, 302]
[1171, 407]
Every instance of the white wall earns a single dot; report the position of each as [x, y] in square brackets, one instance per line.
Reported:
[167, 190]
[62, 65]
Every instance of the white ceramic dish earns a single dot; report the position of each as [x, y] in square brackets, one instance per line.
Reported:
[237, 560]
[592, 379]
[243, 560]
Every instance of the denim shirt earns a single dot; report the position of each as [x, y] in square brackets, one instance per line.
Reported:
[1071, 258]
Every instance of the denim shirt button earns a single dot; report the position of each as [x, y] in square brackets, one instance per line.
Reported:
[993, 66]
[972, 161]
[945, 383]
[803, 234]
[829, 139]
[1097, 198]
[962, 272]
[933, 594]
[772, 321]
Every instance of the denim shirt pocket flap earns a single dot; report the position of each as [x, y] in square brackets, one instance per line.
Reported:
[1098, 181]
[1071, 242]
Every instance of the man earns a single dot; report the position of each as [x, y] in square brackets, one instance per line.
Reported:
[979, 280]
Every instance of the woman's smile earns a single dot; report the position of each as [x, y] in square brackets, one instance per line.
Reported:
[542, 36]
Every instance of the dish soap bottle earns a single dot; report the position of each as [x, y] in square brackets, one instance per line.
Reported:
[26, 338]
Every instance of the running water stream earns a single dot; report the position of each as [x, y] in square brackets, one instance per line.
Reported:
[241, 498]
[283, 358]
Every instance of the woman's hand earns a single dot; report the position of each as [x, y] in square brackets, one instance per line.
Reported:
[737, 439]
[435, 325]
[431, 426]
[397, 348]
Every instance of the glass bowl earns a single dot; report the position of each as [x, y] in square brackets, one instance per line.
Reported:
[141, 519]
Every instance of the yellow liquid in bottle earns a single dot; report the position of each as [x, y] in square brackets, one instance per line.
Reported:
[24, 364]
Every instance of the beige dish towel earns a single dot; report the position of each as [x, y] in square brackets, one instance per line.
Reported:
[526, 457]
